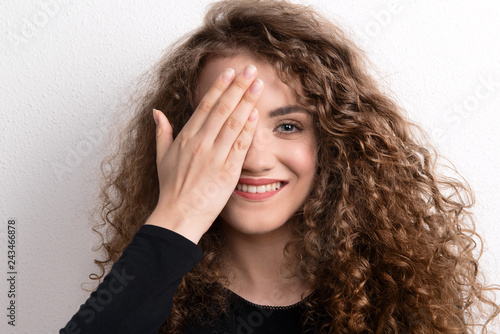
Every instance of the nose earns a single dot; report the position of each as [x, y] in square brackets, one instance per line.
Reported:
[260, 157]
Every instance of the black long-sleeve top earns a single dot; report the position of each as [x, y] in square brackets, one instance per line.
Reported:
[136, 296]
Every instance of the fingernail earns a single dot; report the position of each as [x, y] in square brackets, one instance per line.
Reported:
[155, 115]
[249, 71]
[253, 115]
[228, 75]
[256, 86]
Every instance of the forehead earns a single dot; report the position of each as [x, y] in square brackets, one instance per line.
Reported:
[272, 83]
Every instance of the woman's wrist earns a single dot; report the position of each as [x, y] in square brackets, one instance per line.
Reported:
[179, 224]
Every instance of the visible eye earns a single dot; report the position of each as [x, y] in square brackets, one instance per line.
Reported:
[288, 127]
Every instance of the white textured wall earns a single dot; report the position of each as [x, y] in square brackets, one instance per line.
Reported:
[66, 65]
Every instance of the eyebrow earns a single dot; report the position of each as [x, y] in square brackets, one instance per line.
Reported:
[287, 110]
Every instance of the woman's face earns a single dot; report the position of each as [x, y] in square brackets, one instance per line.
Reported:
[282, 153]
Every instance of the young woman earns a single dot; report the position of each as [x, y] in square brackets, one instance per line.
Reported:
[278, 190]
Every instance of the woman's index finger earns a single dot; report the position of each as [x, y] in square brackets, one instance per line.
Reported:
[210, 99]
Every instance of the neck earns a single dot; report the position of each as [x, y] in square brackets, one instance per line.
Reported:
[256, 268]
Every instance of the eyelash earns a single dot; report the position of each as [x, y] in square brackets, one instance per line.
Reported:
[289, 123]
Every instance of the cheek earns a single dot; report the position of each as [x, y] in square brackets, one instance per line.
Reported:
[301, 158]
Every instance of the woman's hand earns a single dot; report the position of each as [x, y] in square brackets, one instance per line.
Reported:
[199, 170]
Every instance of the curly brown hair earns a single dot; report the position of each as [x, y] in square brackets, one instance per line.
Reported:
[387, 242]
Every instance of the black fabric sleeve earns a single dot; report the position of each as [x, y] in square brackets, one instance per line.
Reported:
[136, 296]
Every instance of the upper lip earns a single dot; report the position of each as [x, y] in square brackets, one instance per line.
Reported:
[258, 182]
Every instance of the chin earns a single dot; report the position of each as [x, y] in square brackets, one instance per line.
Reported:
[253, 225]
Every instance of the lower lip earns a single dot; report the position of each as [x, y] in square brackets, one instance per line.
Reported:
[258, 196]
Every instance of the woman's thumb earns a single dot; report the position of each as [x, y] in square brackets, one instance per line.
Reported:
[164, 134]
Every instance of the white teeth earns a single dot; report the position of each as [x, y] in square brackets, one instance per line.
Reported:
[259, 189]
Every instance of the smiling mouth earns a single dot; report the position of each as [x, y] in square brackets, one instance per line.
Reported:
[260, 189]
